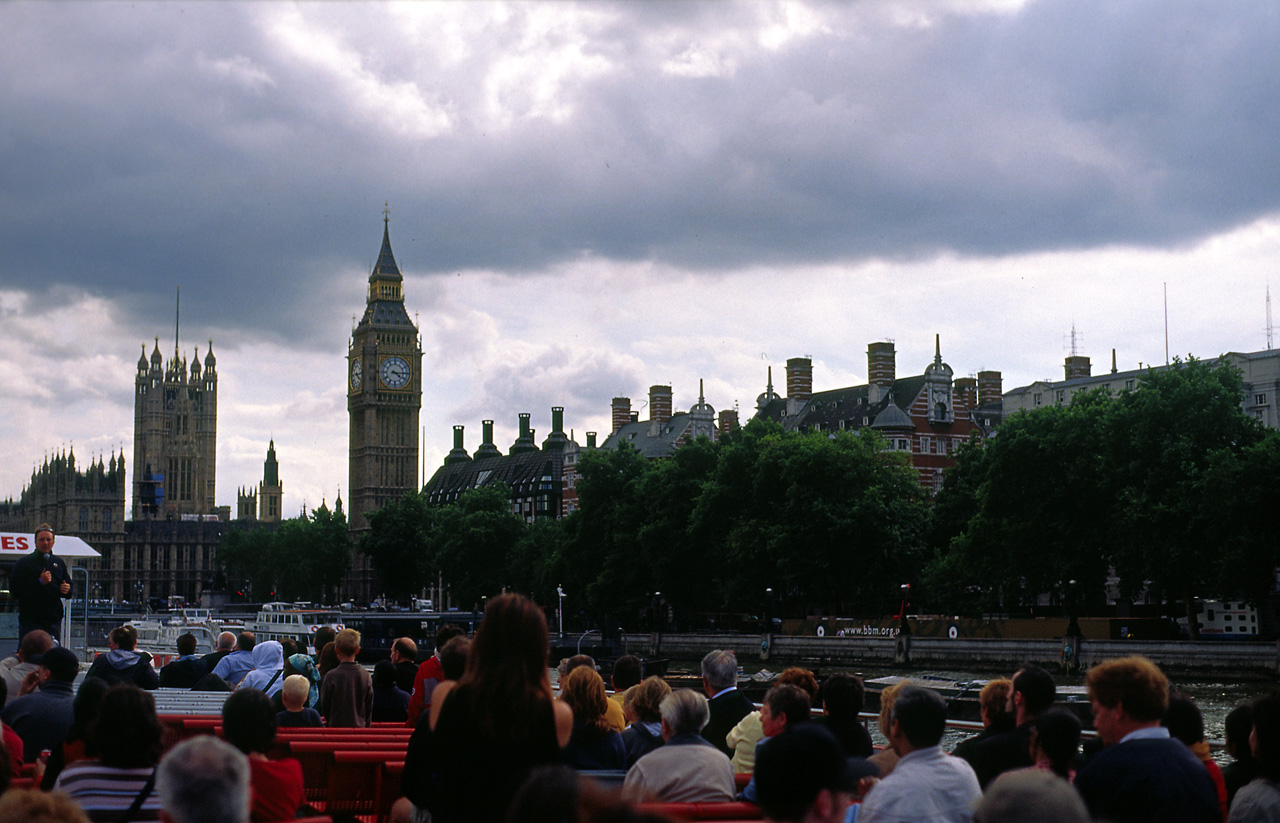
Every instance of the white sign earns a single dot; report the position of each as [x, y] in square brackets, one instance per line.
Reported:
[16, 544]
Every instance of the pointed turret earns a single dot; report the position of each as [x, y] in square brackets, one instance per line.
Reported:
[142, 358]
[386, 268]
[209, 359]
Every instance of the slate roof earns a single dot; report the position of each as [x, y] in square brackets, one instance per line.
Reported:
[523, 472]
[848, 408]
[386, 268]
[662, 445]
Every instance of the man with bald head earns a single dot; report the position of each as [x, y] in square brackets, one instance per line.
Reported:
[14, 669]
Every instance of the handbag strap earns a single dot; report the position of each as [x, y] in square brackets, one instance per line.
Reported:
[140, 799]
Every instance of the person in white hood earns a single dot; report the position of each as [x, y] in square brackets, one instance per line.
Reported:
[268, 668]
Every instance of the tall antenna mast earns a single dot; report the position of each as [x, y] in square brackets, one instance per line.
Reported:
[1075, 340]
[177, 312]
[1269, 326]
[1166, 324]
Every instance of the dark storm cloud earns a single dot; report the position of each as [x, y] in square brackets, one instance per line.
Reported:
[145, 146]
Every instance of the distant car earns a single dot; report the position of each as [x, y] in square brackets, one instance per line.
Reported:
[348, 606]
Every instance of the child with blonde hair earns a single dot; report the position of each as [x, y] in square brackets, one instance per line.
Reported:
[294, 696]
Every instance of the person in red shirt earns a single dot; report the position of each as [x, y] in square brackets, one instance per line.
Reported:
[249, 724]
[430, 674]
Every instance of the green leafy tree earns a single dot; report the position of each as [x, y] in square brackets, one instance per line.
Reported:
[1165, 484]
[830, 521]
[398, 545]
[304, 558]
[602, 561]
[1025, 512]
[472, 542]
[1165, 437]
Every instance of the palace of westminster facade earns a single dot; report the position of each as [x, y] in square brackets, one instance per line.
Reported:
[169, 546]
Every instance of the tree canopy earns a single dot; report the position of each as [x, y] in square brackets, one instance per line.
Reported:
[1159, 484]
[305, 558]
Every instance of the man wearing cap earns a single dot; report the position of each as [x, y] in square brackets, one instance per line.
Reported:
[43, 718]
[40, 582]
[927, 784]
[802, 775]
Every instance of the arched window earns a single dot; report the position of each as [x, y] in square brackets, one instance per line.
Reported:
[84, 518]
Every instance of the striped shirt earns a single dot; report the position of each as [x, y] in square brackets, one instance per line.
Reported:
[106, 794]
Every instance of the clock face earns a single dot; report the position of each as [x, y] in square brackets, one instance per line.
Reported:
[357, 373]
[395, 372]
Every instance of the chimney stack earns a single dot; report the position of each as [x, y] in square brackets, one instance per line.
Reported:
[487, 448]
[990, 389]
[458, 454]
[881, 371]
[621, 412]
[1077, 365]
[659, 404]
[591, 440]
[799, 379]
[728, 420]
[966, 392]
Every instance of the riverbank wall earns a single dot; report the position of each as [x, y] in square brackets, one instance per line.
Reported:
[1254, 659]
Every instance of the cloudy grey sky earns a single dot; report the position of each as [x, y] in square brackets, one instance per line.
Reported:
[589, 198]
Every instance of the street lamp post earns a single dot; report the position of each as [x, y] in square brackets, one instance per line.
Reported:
[768, 604]
[560, 609]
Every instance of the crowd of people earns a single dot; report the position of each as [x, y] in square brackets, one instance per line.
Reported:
[492, 739]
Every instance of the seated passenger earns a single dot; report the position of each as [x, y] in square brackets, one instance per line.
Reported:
[249, 723]
[124, 665]
[126, 739]
[746, 736]
[842, 697]
[187, 669]
[296, 713]
[267, 674]
[641, 709]
[594, 744]
[686, 768]
[1055, 743]
[390, 702]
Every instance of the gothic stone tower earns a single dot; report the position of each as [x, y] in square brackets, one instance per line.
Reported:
[175, 428]
[271, 490]
[384, 396]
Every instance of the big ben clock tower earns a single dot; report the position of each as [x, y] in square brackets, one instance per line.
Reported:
[384, 396]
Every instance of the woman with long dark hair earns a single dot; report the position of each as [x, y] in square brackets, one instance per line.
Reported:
[495, 724]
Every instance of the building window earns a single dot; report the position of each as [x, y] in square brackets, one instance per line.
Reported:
[1260, 399]
[1062, 395]
[925, 445]
[1128, 384]
[106, 520]
[1036, 399]
[84, 518]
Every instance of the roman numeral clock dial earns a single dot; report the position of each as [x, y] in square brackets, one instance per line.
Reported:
[394, 372]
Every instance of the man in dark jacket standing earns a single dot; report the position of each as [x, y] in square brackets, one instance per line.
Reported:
[40, 581]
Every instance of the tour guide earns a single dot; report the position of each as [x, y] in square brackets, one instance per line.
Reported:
[40, 581]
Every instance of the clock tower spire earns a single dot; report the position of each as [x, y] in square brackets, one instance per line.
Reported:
[384, 398]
